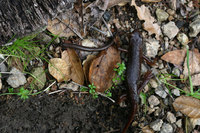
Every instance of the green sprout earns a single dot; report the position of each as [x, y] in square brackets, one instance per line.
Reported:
[23, 93]
[92, 90]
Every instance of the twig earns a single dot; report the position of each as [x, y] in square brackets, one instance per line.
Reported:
[4, 60]
[107, 26]
[50, 86]
[70, 28]
[101, 94]
[55, 92]
[102, 32]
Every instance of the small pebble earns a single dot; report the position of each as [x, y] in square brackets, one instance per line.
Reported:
[166, 128]
[153, 83]
[156, 125]
[176, 92]
[171, 12]
[194, 28]
[161, 15]
[166, 42]
[182, 38]
[179, 123]
[170, 30]
[160, 92]
[176, 71]
[151, 47]
[16, 78]
[153, 101]
[170, 117]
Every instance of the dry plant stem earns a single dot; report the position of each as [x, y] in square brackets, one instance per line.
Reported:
[70, 28]
[101, 94]
[4, 60]
[50, 86]
[57, 91]
[102, 32]
[107, 26]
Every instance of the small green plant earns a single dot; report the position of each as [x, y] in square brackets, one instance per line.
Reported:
[164, 78]
[23, 93]
[120, 73]
[92, 90]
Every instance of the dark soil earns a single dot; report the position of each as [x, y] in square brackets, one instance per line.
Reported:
[61, 114]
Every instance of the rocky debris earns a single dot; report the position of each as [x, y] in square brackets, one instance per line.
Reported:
[176, 92]
[183, 39]
[170, 117]
[3, 67]
[194, 28]
[176, 71]
[170, 30]
[153, 83]
[39, 77]
[179, 123]
[153, 101]
[151, 47]
[156, 125]
[160, 92]
[166, 128]
[161, 15]
[16, 78]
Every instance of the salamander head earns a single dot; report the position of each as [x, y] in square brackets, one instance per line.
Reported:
[136, 37]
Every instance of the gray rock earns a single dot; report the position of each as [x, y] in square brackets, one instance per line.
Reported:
[39, 77]
[153, 83]
[160, 92]
[176, 71]
[194, 28]
[176, 92]
[156, 125]
[166, 128]
[16, 79]
[151, 47]
[161, 15]
[170, 117]
[153, 101]
[179, 123]
[170, 30]
[183, 39]
[3, 67]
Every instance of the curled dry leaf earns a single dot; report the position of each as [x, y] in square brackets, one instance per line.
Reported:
[59, 69]
[187, 105]
[175, 57]
[149, 25]
[101, 70]
[76, 70]
[194, 63]
[86, 65]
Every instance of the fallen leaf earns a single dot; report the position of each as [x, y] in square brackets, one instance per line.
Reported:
[194, 63]
[59, 69]
[149, 25]
[86, 65]
[57, 27]
[97, 9]
[194, 122]
[195, 79]
[187, 105]
[101, 70]
[72, 59]
[175, 57]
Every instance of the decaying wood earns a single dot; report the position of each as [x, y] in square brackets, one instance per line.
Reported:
[22, 17]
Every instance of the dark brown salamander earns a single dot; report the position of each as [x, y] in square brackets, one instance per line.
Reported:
[133, 73]
[83, 48]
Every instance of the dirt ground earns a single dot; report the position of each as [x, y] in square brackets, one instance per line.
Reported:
[61, 114]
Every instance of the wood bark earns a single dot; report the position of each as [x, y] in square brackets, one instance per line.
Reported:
[22, 17]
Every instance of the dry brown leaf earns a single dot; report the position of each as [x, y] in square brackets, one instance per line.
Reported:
[58, 28]
[194, 63]
[151, 1]
[195, 79]
[86, 65]
[194, 122]
[59, 69]
[72, 59]
[187, 105]
[143, 13]
[175, 57]
[101, 70]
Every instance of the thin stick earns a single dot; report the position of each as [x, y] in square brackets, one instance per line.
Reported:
[107, 26]
[70, 28]
[55, 92]
[50, 86]
[101, 94]
[102, 32]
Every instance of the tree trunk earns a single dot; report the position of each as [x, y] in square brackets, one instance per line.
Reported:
[22, 17]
